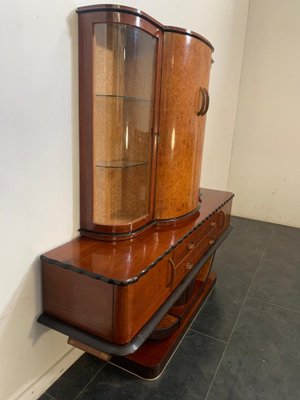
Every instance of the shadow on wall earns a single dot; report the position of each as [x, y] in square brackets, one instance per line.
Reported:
[72, 21]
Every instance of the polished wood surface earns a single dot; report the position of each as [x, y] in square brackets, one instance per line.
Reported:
[126, 260]
[77, 299]
[123, 284]
[130, 10]
[185, 71]
[168, 135]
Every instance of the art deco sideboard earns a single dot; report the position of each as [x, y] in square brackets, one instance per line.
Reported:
[127, 289]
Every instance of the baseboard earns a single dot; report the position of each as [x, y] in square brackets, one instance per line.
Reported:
[34, 390]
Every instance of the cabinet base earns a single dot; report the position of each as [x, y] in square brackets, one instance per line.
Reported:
[150, 360]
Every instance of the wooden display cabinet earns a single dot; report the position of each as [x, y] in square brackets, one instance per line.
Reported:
[129, 286]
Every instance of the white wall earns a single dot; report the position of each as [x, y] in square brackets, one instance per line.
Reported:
[39, 201]
[265, 168]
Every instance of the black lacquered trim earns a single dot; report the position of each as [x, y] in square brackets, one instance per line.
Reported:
[139, 339]
[134, 279]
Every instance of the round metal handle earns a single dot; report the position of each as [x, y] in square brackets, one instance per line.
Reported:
[202, 110]
[213, 224]
[191, 246]
[189, 266]
[211, 241]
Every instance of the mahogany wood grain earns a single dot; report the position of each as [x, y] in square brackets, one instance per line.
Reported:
[112, 289]
[78, 300]
[126, 260]
[185, 70]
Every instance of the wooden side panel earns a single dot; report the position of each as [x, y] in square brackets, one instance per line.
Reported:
[185, 70]
[78, 300]
[135, 304]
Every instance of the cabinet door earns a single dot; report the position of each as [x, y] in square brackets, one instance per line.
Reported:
[184, 102]
[117, 136]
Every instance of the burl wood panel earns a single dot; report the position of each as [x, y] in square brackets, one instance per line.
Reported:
[186, 66]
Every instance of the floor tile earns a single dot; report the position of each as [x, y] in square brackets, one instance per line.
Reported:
[278, 277]
[75, 378]
[218, 315]
[187, 377]
[248, 235]
[45, 396]
[262, 360]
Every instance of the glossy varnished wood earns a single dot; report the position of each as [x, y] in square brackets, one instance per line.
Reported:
[185, 72]
[138, 275]
[183, 62]
[77, 300]
[125, 261]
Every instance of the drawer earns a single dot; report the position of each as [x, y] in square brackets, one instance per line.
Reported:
[185, 247]
[181, 269]
[192, 241]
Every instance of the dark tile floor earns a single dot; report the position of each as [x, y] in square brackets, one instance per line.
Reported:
[243, 345]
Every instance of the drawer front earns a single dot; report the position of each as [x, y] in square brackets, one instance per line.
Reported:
[135, 304]
[190, 251]
[192, 241]
[185, 247]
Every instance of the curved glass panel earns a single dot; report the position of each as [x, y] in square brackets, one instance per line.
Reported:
[124, 59]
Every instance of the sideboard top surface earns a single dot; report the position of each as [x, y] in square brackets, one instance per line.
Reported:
[124, 262]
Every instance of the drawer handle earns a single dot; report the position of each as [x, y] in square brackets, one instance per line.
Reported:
[211, 241]
[189, 266]
[201, 98]
[221, 219]
[171, 262]
[213, 224]
[191, 246]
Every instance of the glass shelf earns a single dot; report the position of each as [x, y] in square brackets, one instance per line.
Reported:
[121, 164]
[131, 98]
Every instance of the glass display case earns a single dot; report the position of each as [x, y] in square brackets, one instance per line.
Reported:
[123, 84]
[143, 100]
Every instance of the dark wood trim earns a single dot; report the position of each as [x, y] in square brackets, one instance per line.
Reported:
[135, 278]
[142, 14]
